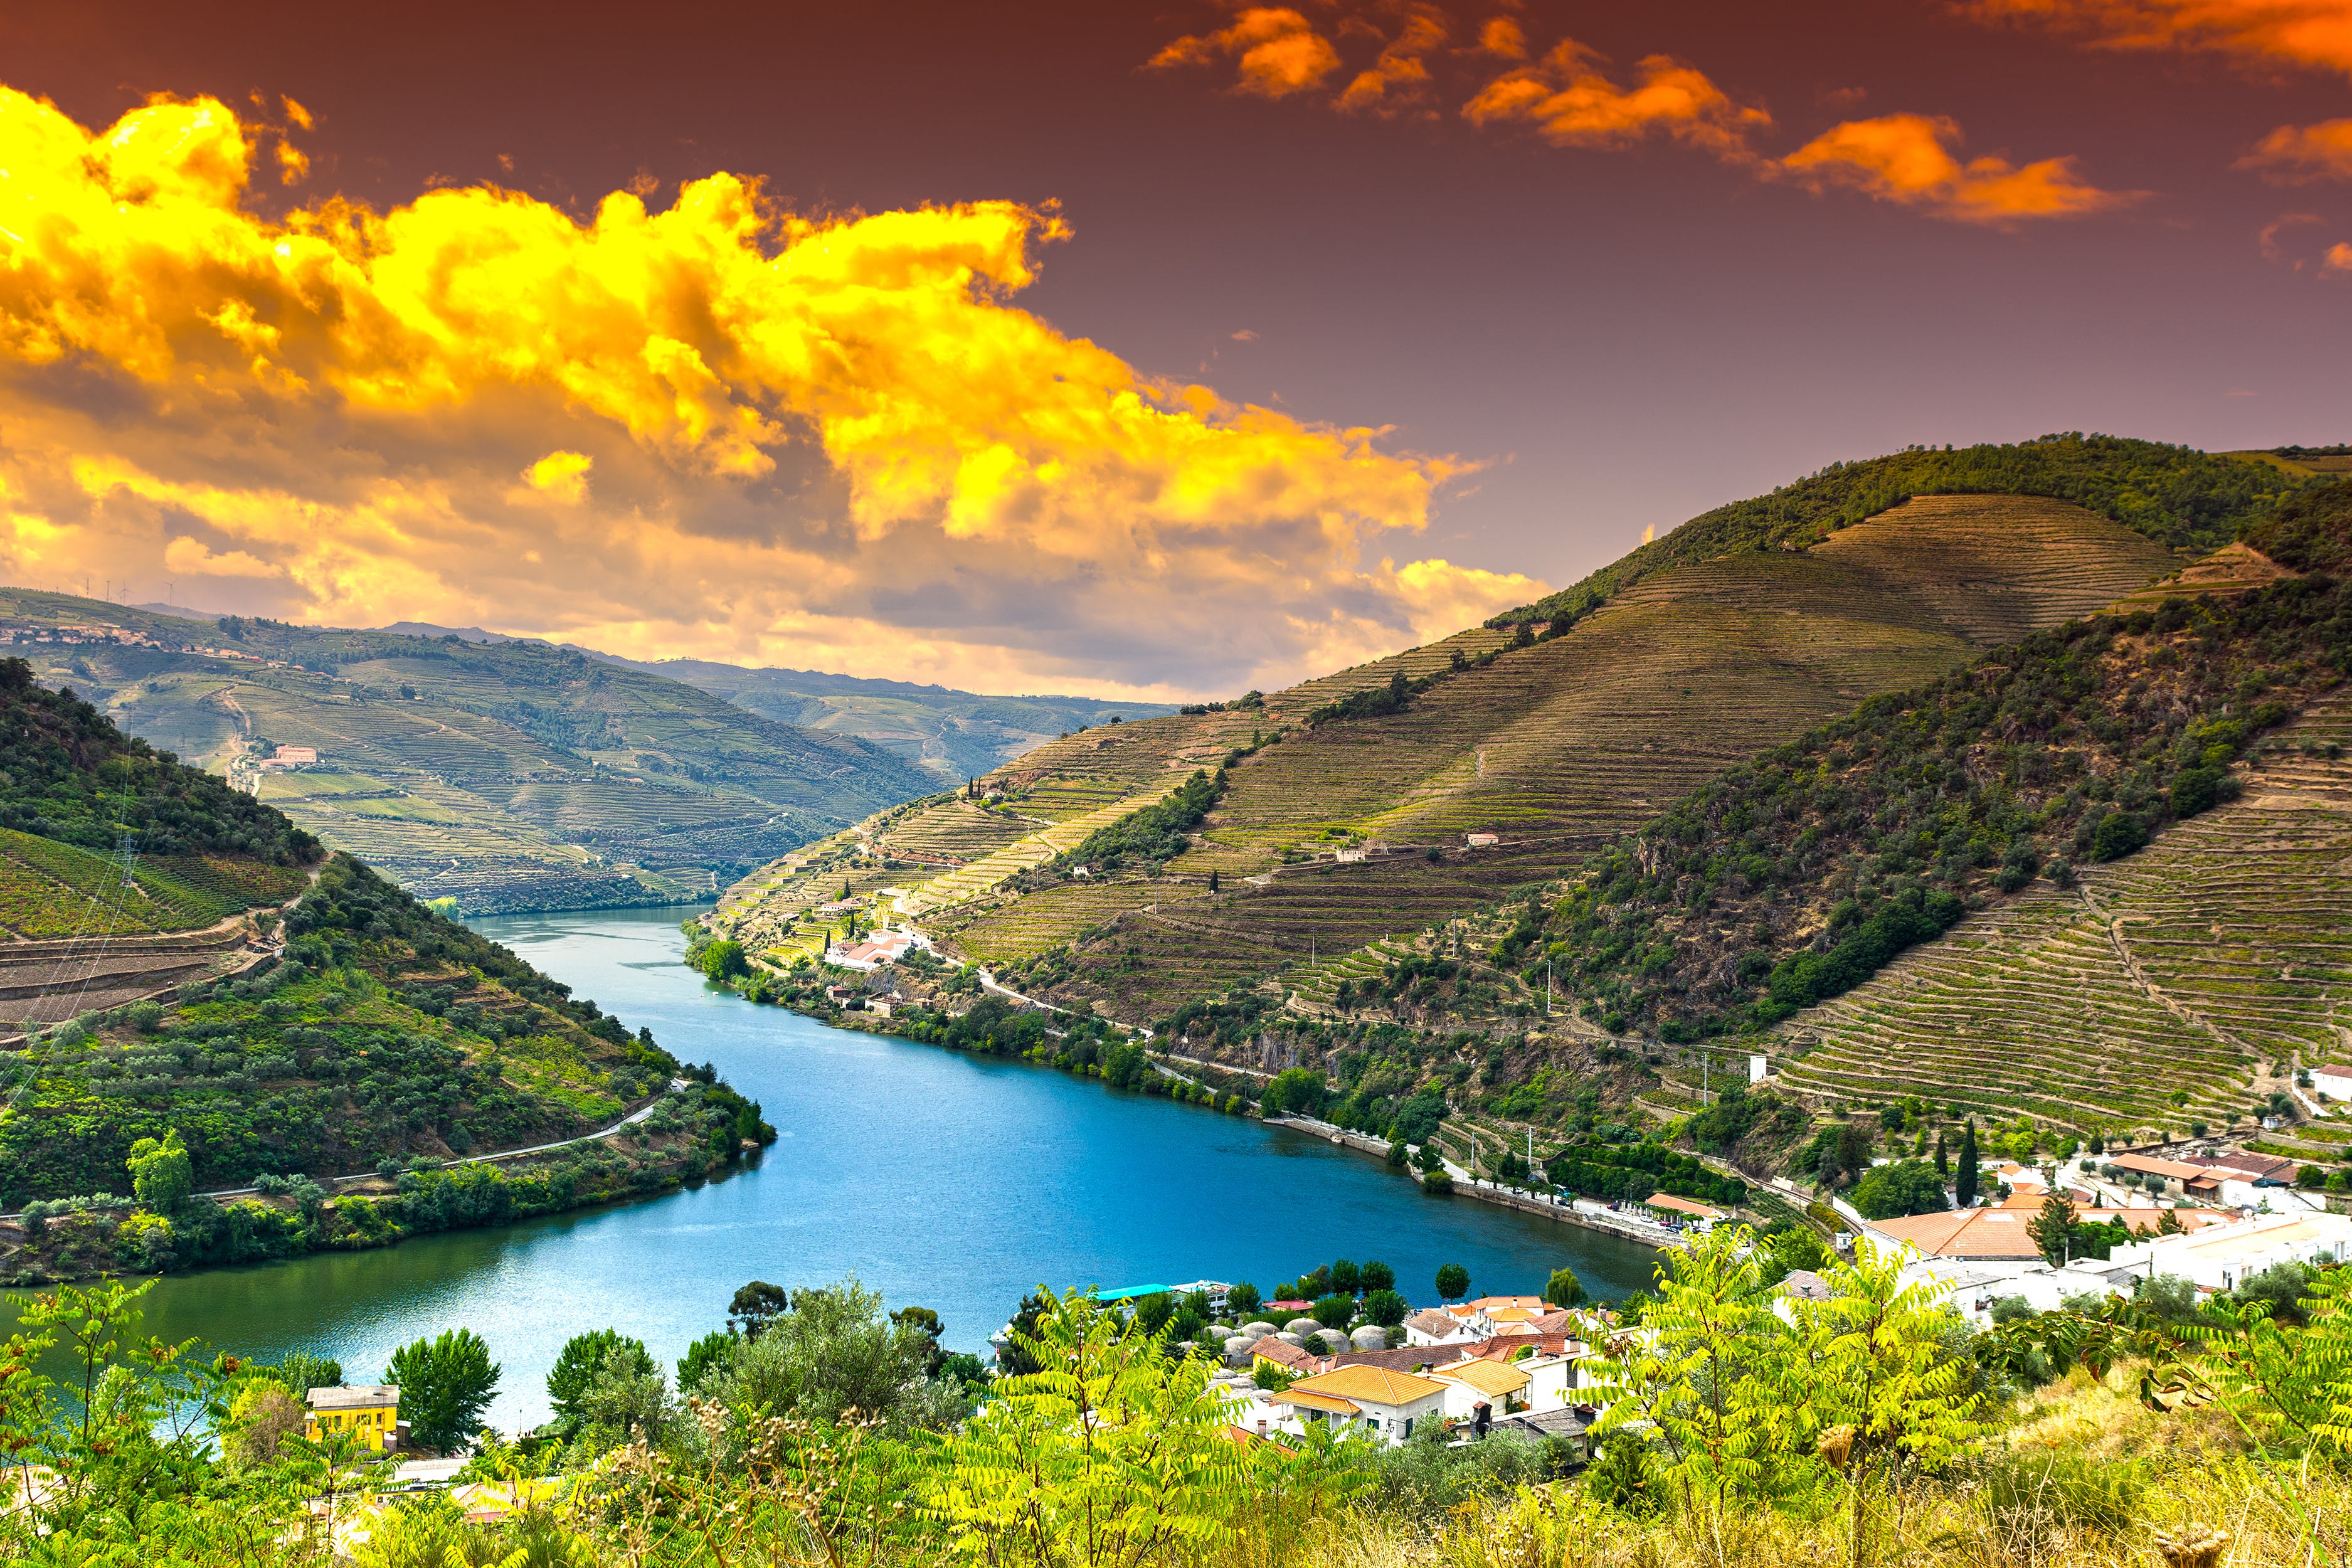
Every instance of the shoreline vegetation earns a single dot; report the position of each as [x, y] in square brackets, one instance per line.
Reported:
[1726, 1423]
[934, 1002]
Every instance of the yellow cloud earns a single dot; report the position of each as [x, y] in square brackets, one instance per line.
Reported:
[562, 475]
[1904, 158]
[186, 557]
[1276, 52]
[2317, 33]
[1445, 598]
[794, 425]
[1570, 102]
[2292, 154]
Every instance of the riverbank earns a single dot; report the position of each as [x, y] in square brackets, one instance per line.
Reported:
[665, 1146]
[947, 1179]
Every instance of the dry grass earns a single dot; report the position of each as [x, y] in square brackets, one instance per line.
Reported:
[2176, 1471]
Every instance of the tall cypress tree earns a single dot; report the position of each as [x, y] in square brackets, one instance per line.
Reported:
[1943, 1160]
[1967, 1184]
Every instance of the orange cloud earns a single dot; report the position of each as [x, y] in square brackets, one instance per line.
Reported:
[1399, 79]
[2338, 257]
[1504, 38]
[1570, 103]
[2292, 154]
[1905, 159]
[810, 440]
[1277, 50]
[2317, 33]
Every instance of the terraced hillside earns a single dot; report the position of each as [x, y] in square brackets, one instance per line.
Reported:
[122, 871]
[2186, 980]
[508, 776]
[1556, 746]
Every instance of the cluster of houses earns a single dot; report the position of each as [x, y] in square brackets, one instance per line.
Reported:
[1499, 1366]
[1982, 1256]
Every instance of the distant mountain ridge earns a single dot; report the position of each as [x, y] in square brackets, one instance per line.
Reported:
[956, 734]
[509, 774]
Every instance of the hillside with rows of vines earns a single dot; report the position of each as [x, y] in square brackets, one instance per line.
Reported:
[1417, 789]
[2101, 877]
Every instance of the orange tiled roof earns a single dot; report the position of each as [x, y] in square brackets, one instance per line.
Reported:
[1308, 1397]
[1488, 1377]
[1376, 1384]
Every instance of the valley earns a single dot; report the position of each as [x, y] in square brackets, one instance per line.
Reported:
[510, 775]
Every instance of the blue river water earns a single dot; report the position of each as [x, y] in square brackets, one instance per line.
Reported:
[939, 1179]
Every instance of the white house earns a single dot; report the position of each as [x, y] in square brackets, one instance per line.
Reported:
[1372, 1401]
[2334, 1080]
[2225, 1257]
[1500, 1386]
[1432, 1326]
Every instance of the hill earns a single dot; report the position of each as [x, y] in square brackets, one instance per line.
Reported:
[508, 775]
[338, 1028]
[2100, 879]
[1364, 803]
[953, 734]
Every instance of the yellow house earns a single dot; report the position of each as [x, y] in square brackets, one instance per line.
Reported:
[371, 1413]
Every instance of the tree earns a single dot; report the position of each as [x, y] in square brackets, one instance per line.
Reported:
[1564, 1288]
[756, 1306]
[2052, 1229]
[1243, 1299]
[446, 1383]
[583, 1361]
[1111, 1454]
[262, 1416]
[1966, 1184]
[723, 960]
[161, 1175]
[1378, 1276]
[1386, 1308]
[1346, 1277]
[1942, 1159]
[1788, 1250]
[833, 1352]
[1212, 881]
[706, 1355]
[1453, 1282]
[1904, 1187]
[1398, 1156]
[1890, 1394]
[1335, 1310]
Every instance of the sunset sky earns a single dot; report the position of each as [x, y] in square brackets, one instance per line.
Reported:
[1144, 350]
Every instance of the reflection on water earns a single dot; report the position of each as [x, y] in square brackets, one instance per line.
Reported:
[939, 1178]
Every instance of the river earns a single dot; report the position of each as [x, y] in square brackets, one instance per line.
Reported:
[941, 1180]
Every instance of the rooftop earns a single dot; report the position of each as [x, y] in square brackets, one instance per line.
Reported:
[2005, 1233]
[1333, 1402]
[1682, 1205]
[1491, 1378]
[2170, 1170]
[363, 1396]
[1373, 1385]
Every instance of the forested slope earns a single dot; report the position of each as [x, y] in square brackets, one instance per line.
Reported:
[383, 1037]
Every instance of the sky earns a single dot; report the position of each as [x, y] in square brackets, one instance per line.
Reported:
[1149, 351]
